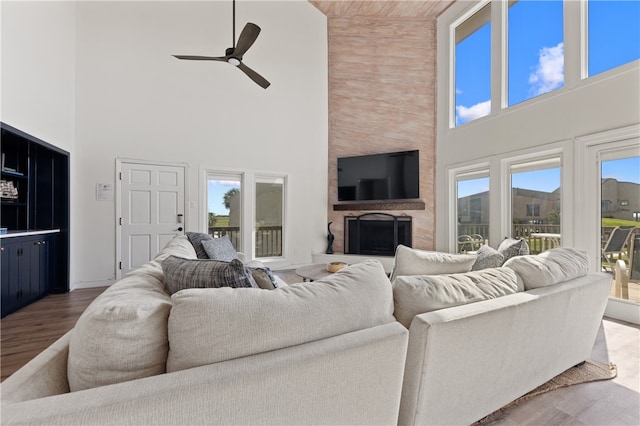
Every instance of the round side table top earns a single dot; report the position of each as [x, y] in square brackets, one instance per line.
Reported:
[316, 271]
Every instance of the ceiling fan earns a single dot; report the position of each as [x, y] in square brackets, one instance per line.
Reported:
[233, 55]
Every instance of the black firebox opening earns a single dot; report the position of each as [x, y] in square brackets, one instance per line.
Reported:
[376, 234]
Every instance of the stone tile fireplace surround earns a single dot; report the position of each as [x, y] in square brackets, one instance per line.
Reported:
[382, 98]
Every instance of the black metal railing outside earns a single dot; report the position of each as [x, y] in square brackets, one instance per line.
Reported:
[268, 238]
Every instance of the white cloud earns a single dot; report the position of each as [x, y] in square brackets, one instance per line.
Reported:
[458, 91]
[549, 73]
[464, 114]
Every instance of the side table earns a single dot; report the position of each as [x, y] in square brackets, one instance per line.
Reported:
[313, 272]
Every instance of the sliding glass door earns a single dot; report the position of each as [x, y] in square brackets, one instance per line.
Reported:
[620, 222]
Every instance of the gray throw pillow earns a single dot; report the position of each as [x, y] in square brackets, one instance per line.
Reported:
[196, 239]
[488, 257]
[511, 247]
[182, 273]
[220, 249]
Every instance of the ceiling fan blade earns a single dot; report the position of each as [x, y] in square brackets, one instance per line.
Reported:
[260, 80]
[202, 58]
[247, 37]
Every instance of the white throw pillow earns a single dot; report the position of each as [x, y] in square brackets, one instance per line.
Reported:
[122, 335]
[410, 261]
[550, 267]
[415, 295]
[212, 325]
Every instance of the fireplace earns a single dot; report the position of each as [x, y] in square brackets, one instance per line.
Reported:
[376, 234]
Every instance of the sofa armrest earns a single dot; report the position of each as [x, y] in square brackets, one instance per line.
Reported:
[354, 378]
[44, 375]
[513, 343]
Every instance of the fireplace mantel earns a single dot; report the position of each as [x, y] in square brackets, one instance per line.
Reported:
[387, 205]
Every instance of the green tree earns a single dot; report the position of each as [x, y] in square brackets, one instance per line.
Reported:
[554, 217]
[228, 196]
[212, 219]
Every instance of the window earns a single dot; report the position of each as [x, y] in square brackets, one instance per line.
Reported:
[224, 207]
[533, 210]
[620, 184]
[472, 210]
[535, 203]
[535, 48]
[269, 214]
[613, 34]
[473, 66]
[528, 41]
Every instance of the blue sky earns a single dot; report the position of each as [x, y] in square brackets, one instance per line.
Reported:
[536, 51]
[216, 190]
[624, 170]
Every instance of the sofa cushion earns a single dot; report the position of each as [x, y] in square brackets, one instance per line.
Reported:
[182, 273]
[487, 257]
[550, 267]
[178, 246]
[220, 249]
[196, 238]
[414, 295]
[511, 247]
[410, 261]
[263, 276]
[122, 335]
[212, 325]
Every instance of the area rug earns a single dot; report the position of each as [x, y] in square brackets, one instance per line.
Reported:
[589, 371]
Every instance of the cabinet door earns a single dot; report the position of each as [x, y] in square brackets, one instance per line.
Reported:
[31, 286]
[4, 277]
[44, 280]
[11, 285]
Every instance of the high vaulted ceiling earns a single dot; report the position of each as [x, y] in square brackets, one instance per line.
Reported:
[419, 9]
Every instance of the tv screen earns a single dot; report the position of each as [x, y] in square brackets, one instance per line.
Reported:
[377, 177]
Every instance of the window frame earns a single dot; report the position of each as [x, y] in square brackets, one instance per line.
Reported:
[452, 59]
[464, 172]
[575, 24]
[210, 174]
[269, 178]
[247, 213]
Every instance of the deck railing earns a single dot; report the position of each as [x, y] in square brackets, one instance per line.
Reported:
[540, 237]
[268, 238]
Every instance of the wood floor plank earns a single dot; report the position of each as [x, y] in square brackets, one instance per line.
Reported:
[30, 330]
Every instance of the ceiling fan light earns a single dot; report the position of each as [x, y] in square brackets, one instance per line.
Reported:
[234, 61]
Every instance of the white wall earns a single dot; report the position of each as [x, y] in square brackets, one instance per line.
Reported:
[38, 69]
[133, 100]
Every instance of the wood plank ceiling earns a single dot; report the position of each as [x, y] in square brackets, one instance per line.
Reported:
[421, 9]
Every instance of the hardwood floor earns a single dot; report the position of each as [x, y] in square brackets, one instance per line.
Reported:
[27, 332]
[614, 402]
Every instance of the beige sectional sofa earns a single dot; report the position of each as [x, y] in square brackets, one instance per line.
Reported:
[532, 318]
[321, 353]
[327, 352]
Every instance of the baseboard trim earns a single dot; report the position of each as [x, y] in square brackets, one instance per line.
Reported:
[91, 284]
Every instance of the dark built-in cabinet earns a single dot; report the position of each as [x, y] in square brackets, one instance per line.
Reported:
[34, 251]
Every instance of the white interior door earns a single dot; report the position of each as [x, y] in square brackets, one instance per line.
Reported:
[152, 206]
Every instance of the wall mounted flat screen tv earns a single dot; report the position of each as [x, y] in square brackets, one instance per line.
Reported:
[379, 177]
